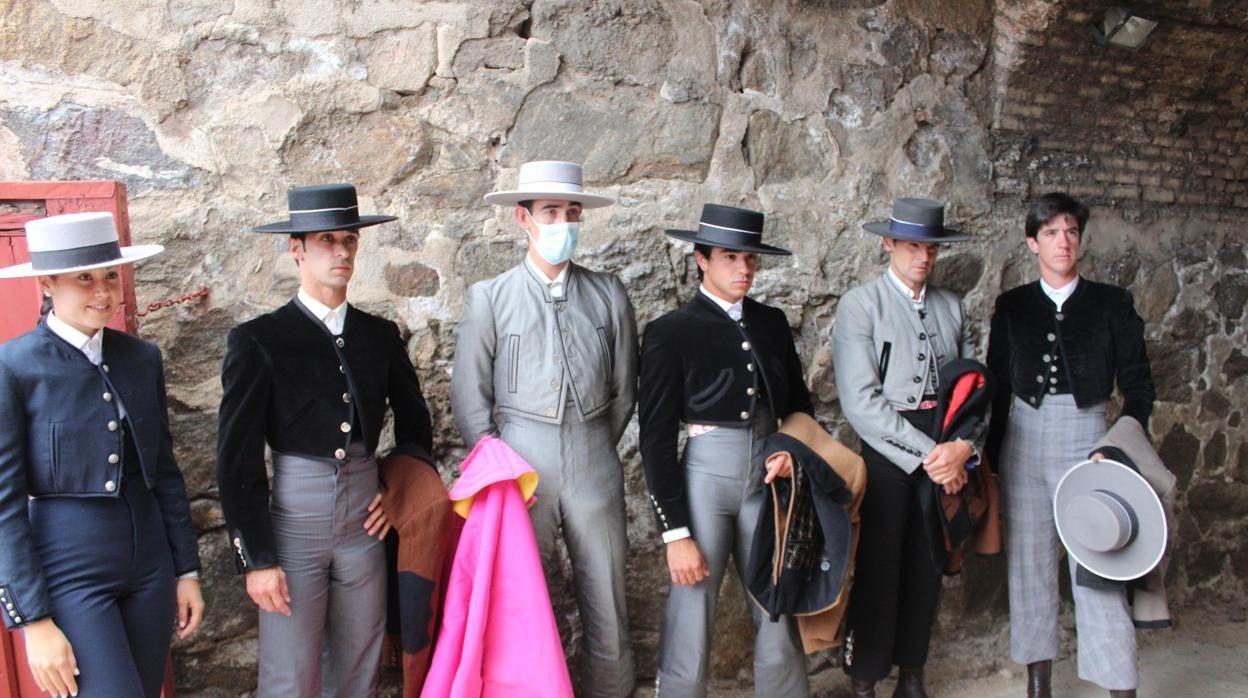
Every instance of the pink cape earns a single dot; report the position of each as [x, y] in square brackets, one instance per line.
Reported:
[498, 636]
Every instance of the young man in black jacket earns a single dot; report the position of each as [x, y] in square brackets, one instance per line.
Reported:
[1057, 347]
[726, 366]
[313, 380]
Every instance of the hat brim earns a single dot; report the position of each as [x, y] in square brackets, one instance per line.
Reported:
[945, 234]
[289, 228]
[1142, 554]
[511, 198]
[695, 238]
[129, 255]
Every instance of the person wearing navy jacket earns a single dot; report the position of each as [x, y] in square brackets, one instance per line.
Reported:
[313, 380]
[99, 556]
[726, 366]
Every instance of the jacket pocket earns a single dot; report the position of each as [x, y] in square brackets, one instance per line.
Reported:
[54, 454]
[711, 394]
[513, 358]
[606, 352]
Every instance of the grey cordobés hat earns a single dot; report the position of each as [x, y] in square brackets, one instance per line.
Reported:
[549, 179]
[75, 242]
[1110, 519]
[919, 220]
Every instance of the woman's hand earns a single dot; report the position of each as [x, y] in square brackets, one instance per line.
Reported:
[779, 464]
[190, 606]
[51, 659]
[377, 524]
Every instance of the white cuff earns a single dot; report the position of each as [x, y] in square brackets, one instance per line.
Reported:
[676, 534]
[193, 574]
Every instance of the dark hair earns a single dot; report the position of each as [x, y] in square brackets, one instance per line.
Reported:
[46, 306]
[1053, 204]
[705, 251]
[527, 204]
[301, 237]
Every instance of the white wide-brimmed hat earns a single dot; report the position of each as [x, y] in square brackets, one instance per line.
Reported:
[75, 242]
[1110, 519]
[549, 179]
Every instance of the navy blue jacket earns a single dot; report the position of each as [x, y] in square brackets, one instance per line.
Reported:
[62, 437]
[288, 382]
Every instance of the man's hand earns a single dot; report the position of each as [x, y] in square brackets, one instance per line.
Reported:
[779, 464]
[1098, 456]
[190, 606]
[267, 587]
[51, 659]
[947, 462]
[377, 524]
[685, 562]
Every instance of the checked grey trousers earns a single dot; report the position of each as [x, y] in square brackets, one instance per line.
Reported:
[580, 497]
[336, 574]
[1041, 445]
[724, 481]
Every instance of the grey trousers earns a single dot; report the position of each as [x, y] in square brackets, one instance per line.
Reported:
[1041, 445]
[331, 643]
[580, 494]
[724, 481]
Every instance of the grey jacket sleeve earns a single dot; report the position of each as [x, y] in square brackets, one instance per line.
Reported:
[860, 387]
[472, 376]
[624, 368]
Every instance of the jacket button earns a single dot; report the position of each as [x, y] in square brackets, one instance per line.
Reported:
[922, 335]
[1035, 401]
[340, 454]
[922, 357]
[1060, 317]
[1053, 379]
[112, 425]
[745, 415]
[750, 391]
[108, 397]
[918, 379]
[342, 370]
[110, 486]
[1053, 369]
[1039, 378]
[910, 399]
[113, 458]
[17, 619]
[339, 341]
[345, 427]
[1052, 391]
[745, 346]
[749, 367]
[1050, 336]
[104, 367]
[346, 397]
[1046, 358]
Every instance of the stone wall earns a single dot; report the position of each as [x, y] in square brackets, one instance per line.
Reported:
[818, 113]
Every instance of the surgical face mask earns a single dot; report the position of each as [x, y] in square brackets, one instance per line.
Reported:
[557, 242]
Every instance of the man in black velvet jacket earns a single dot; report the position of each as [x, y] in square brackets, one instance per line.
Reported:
[1057, 347]
[726, 366]
[313, 379]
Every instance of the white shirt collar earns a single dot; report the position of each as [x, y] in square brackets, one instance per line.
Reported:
[91, 346]
[1059, 296]
[733, 309]
[556, 284]
[901, 285]
[332, 317]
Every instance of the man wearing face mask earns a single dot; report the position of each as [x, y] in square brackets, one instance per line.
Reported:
[546, 359]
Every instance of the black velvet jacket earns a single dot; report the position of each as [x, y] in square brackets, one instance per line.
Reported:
[289, 382]
[1098, 338]
[698, 366]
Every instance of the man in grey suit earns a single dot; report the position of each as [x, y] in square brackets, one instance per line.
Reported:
[546, 359]
[892, 336]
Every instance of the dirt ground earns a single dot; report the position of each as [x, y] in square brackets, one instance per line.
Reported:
[1205, 655]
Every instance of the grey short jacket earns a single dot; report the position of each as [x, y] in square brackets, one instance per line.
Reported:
[877, 331]
[518, 351]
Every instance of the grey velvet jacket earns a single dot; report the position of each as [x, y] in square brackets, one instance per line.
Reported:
[878, 333]
[520, 352]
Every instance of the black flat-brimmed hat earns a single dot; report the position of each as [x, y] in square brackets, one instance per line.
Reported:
[731, 228]
[323, 207]
[920, 220]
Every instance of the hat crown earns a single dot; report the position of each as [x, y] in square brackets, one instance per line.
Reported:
[925, 212]
[70, 231]
[733, 218]
[322, 197]
[535, 175]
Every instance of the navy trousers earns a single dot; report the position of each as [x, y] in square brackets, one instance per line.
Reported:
[110, 576]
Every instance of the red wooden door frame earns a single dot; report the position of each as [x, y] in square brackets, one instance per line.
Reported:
[21, 202]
